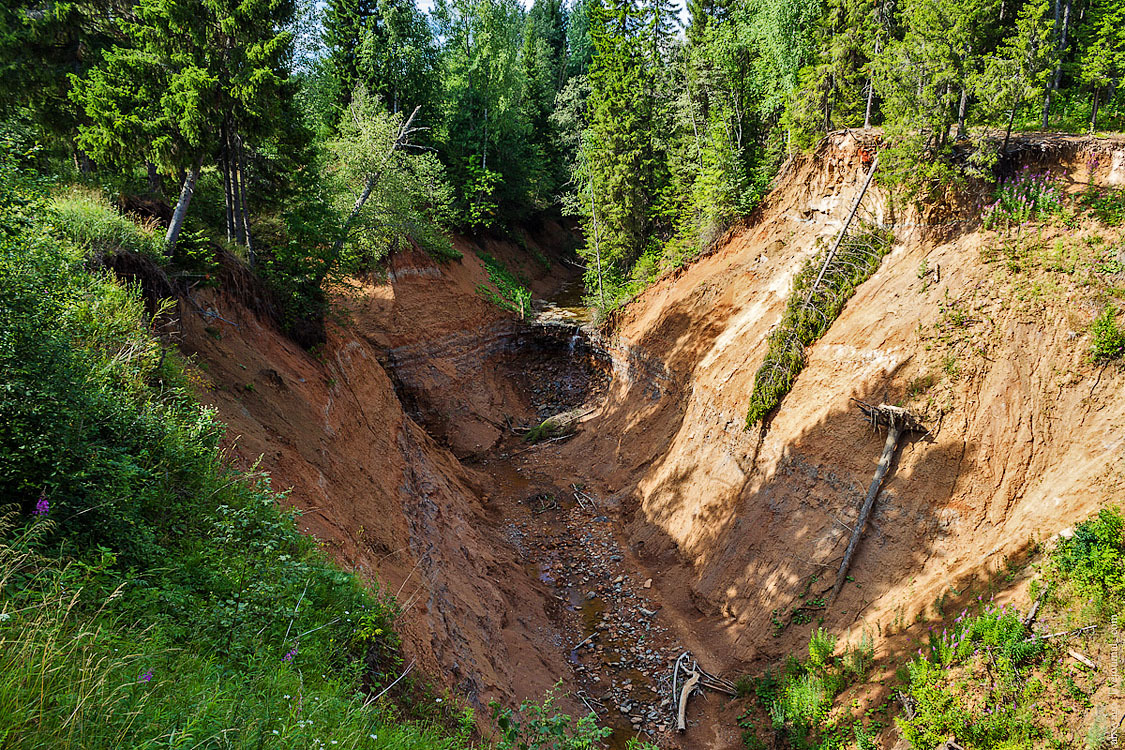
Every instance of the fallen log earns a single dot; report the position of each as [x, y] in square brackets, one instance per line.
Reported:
[1029, 621]
[1079, 657]
[1060, 634]
[897, 421]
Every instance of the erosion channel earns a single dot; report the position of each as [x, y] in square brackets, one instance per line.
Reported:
[552, 371]
[558, 503]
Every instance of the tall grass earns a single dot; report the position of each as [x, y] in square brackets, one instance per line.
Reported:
[72, 679]
[87, 219]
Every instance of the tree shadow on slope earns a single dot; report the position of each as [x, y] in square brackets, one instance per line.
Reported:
[761, 547]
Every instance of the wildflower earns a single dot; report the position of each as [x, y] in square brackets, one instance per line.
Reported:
[373, 736]
[4, 616]
[42, 508]
[289, 657]
[439, 700]
[146, 676]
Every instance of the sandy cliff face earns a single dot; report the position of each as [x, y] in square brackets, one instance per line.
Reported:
[1026, 434]
[383, 496]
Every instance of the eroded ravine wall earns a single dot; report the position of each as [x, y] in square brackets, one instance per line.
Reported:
[1027, 433]
[383, 496]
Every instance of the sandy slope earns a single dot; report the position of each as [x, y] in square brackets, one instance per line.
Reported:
[731, 525]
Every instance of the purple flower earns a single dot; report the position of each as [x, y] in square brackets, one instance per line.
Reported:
[289, 657]
[42, 508]
[145, 676]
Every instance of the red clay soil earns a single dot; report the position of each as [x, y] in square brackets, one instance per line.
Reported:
[383, 496]
[731, 525]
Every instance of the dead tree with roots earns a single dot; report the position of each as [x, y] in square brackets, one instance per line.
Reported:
[898, 421]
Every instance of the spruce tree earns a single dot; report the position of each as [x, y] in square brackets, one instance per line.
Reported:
[1103, 60]
[41, 46]
[618, 146]
[195, 78]
[346, 23]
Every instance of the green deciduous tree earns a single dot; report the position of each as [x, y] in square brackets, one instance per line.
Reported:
[398, 57]
[485, 132]
[390, 194]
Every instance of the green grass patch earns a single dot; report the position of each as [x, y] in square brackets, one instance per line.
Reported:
[507, 290]
[85, 218]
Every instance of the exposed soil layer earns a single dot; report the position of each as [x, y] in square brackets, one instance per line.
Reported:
[663, 525]
[380, 492]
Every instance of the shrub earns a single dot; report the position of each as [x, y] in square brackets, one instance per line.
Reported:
[1006, 709]
[821, 645]
[537, 727]
[801, 707]
[1108, 338]
[858, 660]
[1093, 560]
[800, 698]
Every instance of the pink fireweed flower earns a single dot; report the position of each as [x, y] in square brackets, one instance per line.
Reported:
[42, 508]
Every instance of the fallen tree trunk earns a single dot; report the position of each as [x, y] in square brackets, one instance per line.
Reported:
[897, 420]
